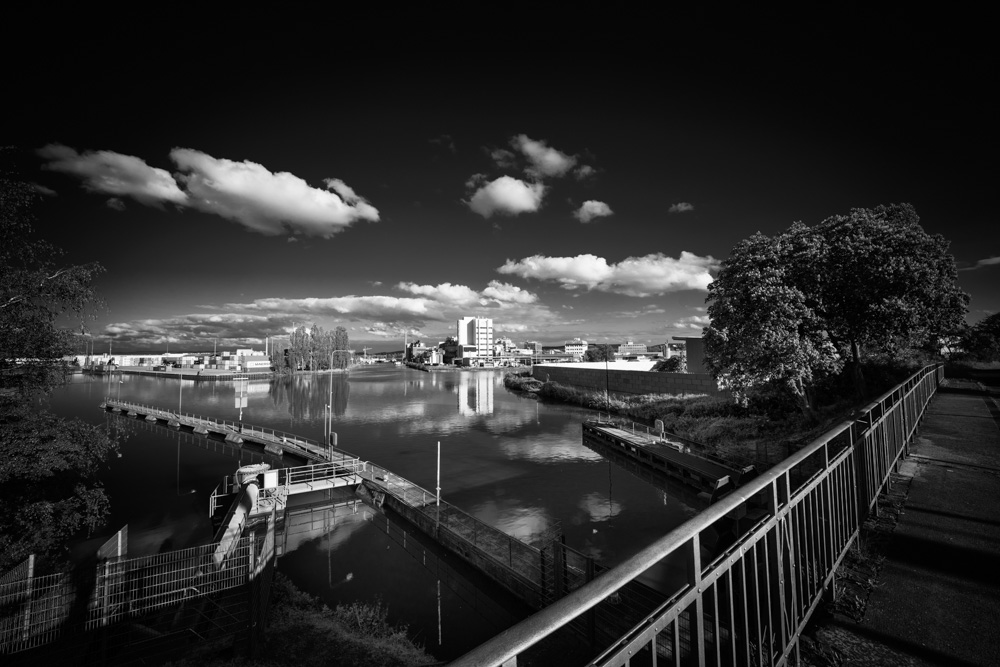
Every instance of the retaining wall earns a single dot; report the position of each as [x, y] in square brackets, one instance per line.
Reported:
[628, 382]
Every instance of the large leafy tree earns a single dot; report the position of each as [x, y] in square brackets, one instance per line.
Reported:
[884, 284]
[49, 467]
[764, 328]
[796, 307]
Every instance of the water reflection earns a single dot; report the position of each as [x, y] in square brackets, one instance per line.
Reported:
[475, 394]
[515, 463]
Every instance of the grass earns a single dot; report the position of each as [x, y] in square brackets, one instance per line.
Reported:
[304, 632]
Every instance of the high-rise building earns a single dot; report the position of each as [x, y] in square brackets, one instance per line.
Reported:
[475, 337]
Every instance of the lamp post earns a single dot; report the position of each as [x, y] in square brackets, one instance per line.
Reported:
[607, 380]
[329, 408]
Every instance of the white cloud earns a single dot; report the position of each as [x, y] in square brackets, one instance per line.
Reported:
[115, 174]
[681, 207]
[584, 171]
[507, 293]
[592, 209]
[444, 293]
[634, 276]
[508, 196]
[545, 161]
[268, 202]
[692, 322]
[381, 307]
[989, 261]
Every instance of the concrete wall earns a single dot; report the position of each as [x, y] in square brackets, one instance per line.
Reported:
[628, 382]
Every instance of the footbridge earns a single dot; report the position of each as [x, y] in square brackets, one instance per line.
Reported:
[237, 433]
[749, 604]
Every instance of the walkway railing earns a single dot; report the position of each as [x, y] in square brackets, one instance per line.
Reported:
[793, 525]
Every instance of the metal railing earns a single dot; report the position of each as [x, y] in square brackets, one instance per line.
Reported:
[746, 602]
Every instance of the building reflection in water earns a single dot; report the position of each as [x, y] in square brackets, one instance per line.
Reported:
[475, 394]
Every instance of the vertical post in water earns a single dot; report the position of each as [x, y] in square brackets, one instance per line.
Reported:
[437, 521]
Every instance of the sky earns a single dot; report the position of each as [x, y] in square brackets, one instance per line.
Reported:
[571, 176]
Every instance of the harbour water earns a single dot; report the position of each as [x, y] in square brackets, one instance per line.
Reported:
[515, 463]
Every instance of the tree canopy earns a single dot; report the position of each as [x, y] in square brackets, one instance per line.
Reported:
[982, 340]
[49, 467]
[797, 307]
[42, 303]
[599, 353]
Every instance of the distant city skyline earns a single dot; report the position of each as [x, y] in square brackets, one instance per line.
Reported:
[590, 192]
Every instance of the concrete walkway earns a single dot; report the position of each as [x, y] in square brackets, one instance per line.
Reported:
[937, 601]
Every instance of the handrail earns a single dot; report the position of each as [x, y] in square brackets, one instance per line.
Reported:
[843, 479]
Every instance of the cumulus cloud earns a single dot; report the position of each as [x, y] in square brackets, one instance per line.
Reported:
[584, 171]
[989, 261]
[115, 204]
[115, 174]
[543, 160]
[353, 306]
[197, 330]
[445, 292]
[635, 276]
[681, 207]
[268, 202]
[592, 209]
[692, 322]
[507, 293]
[508, 196]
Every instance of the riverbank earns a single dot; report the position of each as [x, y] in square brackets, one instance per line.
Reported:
[764, 432]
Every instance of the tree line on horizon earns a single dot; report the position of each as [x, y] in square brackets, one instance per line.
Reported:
[313, 349]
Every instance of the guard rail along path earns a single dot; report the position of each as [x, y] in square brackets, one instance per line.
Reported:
[748, 604]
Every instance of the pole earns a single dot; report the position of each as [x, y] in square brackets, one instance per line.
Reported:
[180, 394]
[438, 513]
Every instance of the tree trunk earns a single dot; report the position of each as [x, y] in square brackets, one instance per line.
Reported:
[857, 377]
[805, 400]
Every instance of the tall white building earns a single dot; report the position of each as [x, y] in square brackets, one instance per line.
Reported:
[577, 348]
[475, 337]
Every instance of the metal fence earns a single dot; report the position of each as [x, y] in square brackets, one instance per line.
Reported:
[746, 601]
[131, 608]
[521, 558]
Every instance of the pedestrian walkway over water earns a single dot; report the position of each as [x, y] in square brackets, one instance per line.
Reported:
[274, 442]
[937, 601]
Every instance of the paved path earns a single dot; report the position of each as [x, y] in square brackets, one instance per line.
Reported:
[937, 601]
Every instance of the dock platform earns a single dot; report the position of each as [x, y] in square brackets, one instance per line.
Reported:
[670, 456]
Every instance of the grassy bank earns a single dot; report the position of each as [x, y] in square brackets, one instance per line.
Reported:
[764, 432]
[304, 632]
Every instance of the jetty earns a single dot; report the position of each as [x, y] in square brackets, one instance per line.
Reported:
[669, 454]
[237, 433]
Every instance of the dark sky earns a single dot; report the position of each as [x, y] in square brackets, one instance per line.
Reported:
[570, 175]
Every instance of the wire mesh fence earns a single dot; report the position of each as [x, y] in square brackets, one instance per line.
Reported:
[135, 607]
